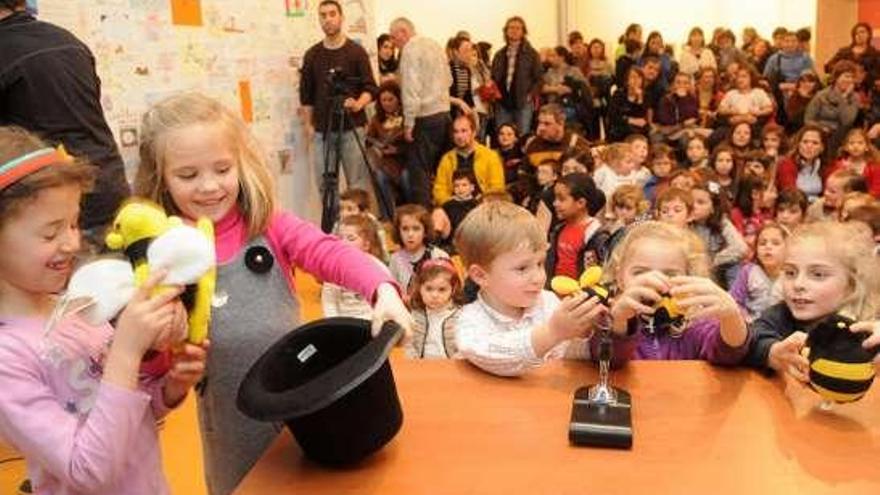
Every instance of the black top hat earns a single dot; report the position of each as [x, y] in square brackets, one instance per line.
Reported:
[330, 382]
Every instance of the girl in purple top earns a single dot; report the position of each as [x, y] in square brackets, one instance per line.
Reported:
[198, 159]
[74, 402]
[657, 260]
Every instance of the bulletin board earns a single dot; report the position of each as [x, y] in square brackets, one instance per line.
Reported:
[246, 54]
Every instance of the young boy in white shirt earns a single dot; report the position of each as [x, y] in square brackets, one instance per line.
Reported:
[515, 325]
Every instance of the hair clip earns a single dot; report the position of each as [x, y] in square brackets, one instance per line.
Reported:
[713, 187]
[444, 263]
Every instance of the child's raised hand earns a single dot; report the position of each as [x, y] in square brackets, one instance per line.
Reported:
[389, 307]
[785, 356]
[148, 319]
[576, 316]
[873, 328]
[700, 297]
[187, 369]
[640, 295]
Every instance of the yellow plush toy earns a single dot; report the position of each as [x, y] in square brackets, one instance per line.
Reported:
[588, 282]
[149, 237]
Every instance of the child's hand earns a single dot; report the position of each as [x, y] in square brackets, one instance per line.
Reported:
[639, 297]
[148, 319]
[187, 369]
[872, 327]
[389, 307]
[700, 297]
[576, 316]
[785, 356]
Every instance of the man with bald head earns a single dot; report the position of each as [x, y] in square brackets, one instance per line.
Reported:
[424, 82]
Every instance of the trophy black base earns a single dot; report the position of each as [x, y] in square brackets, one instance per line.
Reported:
[599, 424]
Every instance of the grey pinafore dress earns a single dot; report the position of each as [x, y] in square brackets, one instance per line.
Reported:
[253, 308]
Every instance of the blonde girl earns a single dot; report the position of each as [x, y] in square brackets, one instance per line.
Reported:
[360, 231]
[821, 276]
[657, 261]
[198, 159]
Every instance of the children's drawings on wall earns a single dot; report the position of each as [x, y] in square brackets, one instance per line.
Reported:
[246, 54]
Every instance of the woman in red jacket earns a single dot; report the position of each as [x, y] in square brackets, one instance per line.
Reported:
[805, 168]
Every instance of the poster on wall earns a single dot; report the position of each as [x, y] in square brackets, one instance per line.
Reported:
[246, 54]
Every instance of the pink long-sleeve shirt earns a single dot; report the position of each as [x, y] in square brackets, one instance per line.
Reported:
[296, 242]
[79, 434]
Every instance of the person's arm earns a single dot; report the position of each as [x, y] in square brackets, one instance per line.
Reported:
[410, 84]
[307, 96]
[813, 109]
[443, 180]
[330, 299]
[495, 172]
[302, 244]
[768, 329]
[735, 247]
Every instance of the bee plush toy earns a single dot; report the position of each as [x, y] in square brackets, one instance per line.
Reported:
[841, 370]
[588, 282]
[148, 238]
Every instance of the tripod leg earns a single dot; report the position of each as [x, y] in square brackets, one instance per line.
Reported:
[386, 204]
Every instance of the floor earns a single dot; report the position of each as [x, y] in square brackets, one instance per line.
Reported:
[179, 435]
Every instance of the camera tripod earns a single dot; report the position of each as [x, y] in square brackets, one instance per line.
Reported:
[340, 116]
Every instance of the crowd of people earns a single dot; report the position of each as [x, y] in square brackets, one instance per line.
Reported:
[731, 183]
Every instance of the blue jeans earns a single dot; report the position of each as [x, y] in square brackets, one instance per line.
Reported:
[521, 117]
[351, 163]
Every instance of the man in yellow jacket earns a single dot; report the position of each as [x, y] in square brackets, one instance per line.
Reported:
[467, 153]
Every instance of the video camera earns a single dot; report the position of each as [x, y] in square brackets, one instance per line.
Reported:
[340, 83]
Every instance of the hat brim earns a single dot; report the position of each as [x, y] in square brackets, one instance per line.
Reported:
[312, 367]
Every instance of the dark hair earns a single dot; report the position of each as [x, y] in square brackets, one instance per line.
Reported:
[595, 41]
[422, 215]
[12, 4]
[748, 184]
[565, 54]
[483, 49]
[574, 37]
[696, 30]
[15, 143]
[672, 194]
[389, 86]
[804, 34]
[632, 46]
[466, 173]
[427, 271]
[720, 204]
[456, 42]
[469, 117]
[852, 32]
[382, 39]
[796, 141]
[774, 128]
[581, 186]
[335, 3]
[780, 31]
[652, 35]
[358, 196]
[842, 67]
[792, 197]
[511, 20]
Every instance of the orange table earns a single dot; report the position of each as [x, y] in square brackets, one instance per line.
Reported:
[698, 429]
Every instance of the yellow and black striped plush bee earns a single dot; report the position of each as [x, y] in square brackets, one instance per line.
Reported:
[841, 370]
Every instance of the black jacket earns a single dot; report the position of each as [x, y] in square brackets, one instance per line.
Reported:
[776, 323]
[526, 75]
[48, 85]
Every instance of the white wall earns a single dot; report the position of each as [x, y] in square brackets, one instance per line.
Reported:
[482, 18]
[607, 19]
